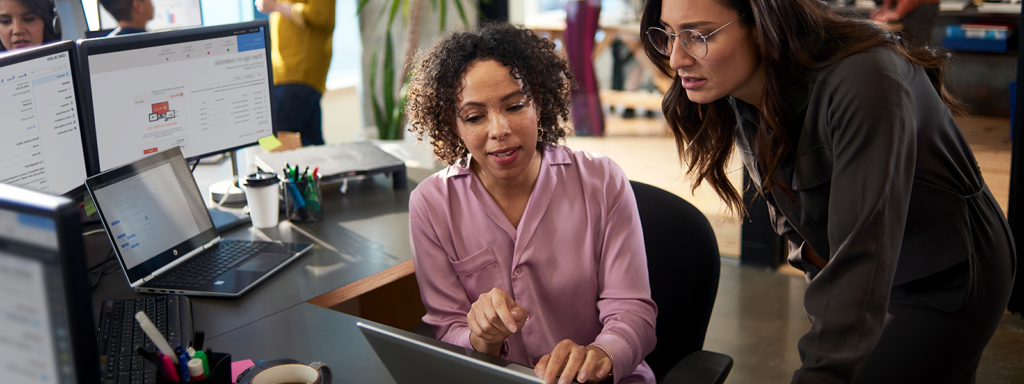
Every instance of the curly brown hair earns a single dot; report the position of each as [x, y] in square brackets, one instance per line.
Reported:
[436, 83]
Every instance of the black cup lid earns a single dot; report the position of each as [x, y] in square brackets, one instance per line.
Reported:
[261, 179]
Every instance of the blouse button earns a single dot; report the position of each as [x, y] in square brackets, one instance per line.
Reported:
[517, 272]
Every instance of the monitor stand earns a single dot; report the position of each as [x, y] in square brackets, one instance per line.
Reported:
[227, 192]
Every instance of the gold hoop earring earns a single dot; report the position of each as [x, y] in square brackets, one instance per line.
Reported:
[460, 150]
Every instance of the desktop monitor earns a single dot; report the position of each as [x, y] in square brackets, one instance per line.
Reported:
[72, 19]
[40, 117]
[207, 90]
[46, 321]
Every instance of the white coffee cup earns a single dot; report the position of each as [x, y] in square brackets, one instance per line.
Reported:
[261, 194]
[286, 371]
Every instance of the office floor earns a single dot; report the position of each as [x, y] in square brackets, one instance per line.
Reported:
[758, 315]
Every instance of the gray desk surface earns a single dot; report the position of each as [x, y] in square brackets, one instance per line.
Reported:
[307, 333]
[364, 232]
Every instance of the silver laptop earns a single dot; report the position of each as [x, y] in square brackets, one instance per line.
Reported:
[161, 231]
[411, 358]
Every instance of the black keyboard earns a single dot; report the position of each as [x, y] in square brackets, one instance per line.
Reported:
[119, 335]
[207, 266]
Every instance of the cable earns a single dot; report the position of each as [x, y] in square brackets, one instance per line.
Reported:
[93, 232]
[194, 166]
[99, 275]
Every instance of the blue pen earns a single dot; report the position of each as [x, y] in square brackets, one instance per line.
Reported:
[183, 364]
[299, 203]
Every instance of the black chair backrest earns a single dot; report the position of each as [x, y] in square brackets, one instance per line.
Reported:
[683, 264]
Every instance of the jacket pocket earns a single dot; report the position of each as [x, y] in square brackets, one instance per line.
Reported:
[479, 273]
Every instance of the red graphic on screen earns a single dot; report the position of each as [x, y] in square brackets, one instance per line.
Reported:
[161, 108]
[148, 151]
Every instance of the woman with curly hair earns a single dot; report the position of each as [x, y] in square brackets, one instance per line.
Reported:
[523, 248]
[26, 23]
[849, 136]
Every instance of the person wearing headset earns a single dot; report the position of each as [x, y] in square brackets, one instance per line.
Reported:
[27, 23]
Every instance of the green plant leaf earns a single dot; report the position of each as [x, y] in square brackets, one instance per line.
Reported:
[462, 12]
[378, 114]
[443, 13]
[362, 4]
[389, 79]
[395, 5]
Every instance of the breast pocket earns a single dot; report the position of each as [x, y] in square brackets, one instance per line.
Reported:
[479, 273]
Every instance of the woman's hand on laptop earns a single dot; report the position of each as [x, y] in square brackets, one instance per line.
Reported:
[570, 360]
[493, 318]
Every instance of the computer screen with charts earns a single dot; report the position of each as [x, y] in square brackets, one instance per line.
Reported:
[205, 89]
[46, 322]
[40, 130]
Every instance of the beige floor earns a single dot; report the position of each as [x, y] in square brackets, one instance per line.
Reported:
[645, 151]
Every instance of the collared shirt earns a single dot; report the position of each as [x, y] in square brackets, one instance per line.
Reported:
[576, 262]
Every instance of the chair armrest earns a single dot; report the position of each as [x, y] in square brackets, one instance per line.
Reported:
[701, 367]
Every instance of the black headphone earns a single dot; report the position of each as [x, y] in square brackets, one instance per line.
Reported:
[56, 18]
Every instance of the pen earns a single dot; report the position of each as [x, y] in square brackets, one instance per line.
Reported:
[201, 356]
[197, 340]
[195, 370]
[154, 334]
[183, 365]
[316, 173]
[169, 371]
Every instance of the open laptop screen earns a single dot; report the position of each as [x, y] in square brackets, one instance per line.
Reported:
[46, 333]
[153, 212]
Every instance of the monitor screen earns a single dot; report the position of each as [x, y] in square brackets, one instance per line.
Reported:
[46, 326]
[39, 120]
[167, 14]
[207, 90]
[72, 19]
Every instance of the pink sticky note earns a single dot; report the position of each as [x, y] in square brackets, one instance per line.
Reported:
[238, 366]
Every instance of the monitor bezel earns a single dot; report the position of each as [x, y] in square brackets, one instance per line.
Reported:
[71, 247]
[23, 55]
[142, 40]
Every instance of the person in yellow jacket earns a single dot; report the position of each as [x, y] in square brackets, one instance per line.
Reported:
[300, 38]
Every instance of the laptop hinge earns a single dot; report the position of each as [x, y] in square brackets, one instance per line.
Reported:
[211, 243]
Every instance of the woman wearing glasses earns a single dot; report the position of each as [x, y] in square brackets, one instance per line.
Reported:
[850, 137]
[523, 248]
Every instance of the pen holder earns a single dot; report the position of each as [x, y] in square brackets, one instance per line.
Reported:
[302, 200]
[220, 371]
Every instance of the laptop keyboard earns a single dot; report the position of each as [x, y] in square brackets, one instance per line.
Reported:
[202, 269]
[119, 335]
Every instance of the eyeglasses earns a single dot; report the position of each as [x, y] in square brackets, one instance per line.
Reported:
[695, 43]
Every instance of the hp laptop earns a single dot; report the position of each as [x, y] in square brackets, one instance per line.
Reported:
[158, 225]
[47, 333]
[412, 358]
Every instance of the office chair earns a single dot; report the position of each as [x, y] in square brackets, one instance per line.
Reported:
[683, 266]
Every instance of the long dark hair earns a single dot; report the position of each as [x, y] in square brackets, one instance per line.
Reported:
[796, 39]
[44, 10]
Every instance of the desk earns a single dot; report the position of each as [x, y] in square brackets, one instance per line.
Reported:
[324, 335]
[362, 242]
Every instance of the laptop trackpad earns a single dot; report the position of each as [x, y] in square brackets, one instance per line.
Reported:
[263, 263]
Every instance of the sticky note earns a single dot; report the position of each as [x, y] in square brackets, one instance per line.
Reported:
[270, 142]
[89, 208]
[238, 366]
